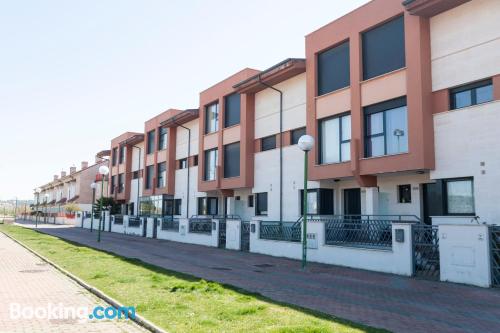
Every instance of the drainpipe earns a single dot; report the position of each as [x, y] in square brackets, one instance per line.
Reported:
[281, 143]
[138, 170]
[187, 163]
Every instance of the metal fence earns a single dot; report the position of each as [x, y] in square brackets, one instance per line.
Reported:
[201, 225]
[495, 255]
[359, 232]
[282, 231]
[134, 221]
[169, 223]
[426, 259]
[117, 219]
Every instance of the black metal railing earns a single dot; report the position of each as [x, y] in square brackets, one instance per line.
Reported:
[169, 223]
[134, 221]
[281, 231]
[201, 225]
[117, 219]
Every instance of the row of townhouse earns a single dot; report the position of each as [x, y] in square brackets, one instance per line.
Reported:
[52, 198]
[402, 100]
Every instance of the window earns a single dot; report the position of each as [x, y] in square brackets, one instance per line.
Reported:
[135, 174]
[210, 164]
[208, 206]
[333, 69]
[161, 178]
[162, 138]
[121, 157]
[261, 204]
[183, 163]
[250, 201]
[471, 94]
[150, 147]
[212, 118]
[131, 208]
[151, 205]
[113, 184]
[232, 110]
[232, 160]
[268, 143]
[121, 183]
[386, 128]
[335, 139]
[150, 169]
[459, 196]
[296, 134]
[195, 160]
[113, 156]
[404, 193]
[319, 201]
[177, 206]
[384, 48]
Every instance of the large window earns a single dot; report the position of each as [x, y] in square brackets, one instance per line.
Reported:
[333, 69]
[121, 157]
[121, 183]
[232, 160]
[177, 206]
[232, 110]
[261, 204]
[162, 138]
[212, 118]
[268, 143]
[471, 94]
[113, 156]
[208, 206]
[150, 169]
[210, 164]
[161, 178]
[150, 145]
[296, 134]
[113, 184]
[151, 205]
[384, 48]
[335, 139]
[459, 196]
[319, 201]
[386, 128]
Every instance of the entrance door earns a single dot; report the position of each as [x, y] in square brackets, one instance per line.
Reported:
[431, 201]
[352, 201]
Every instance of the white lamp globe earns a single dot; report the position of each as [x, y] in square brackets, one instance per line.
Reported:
[306, 142]
[103, 170]
[93, 185]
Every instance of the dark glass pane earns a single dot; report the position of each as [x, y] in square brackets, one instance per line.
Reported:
[375, 123]
[261, 208]
[333, 69]
[268, 143]
[375, 146]
[296, 134]
[210, 164]
[212, 118]
[462, 99]
[460, 196]
[396, 126]
[384, 48]
[232, 160]
[232, 110]
[404, 193]
[151, 142]
[484, 94]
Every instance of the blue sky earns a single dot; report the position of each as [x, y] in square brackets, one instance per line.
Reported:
[75, 74]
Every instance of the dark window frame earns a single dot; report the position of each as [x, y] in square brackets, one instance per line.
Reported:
[250, 201]
[320, 134]
[228, 171]
[258, 210]
[150, 142]
[206, 165]
[195, 160]
[264, 143]
[121, 183]
[183, 163]
[323, 66]
[324, 200]
[401, 193]
[293, 135]
[177, 206]
[209, 201]
[230, 118]
[161, 168]
[113, 184]
[162, 138]
[149, 183]
[445, 196]
[472, 88]
[121, 155]
[206, 129]
[114, 154]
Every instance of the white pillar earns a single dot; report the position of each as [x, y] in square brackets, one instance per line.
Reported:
[371, 200]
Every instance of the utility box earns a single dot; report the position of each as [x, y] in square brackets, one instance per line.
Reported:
[400, 235]
[312, 241]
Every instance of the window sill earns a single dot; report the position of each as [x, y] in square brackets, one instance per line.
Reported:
[230, 126]
[333, 163]
[382, 75]
[333, 92]
[467, 107]
[382, 156]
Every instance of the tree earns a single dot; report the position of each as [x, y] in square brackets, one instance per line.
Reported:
[71, 208]
[106, 202]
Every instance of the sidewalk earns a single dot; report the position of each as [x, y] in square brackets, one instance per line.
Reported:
[30, 282]
[397, 303]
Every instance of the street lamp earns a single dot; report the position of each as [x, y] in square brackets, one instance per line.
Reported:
[103, 171]
[306, 143]
[92, 186]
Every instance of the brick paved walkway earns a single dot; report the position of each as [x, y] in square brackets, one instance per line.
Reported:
[393, 302]
[30, 282]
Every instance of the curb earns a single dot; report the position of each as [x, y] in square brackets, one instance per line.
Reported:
[141, 321]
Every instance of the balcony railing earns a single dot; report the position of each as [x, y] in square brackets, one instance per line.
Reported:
[169, 223]
[134, 222]
[281, 231]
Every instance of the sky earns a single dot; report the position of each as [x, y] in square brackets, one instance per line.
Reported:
[75, 74]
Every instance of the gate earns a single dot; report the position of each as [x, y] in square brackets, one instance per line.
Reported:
[495, 255]
[245, 236]
[222, 234]
[425, 251]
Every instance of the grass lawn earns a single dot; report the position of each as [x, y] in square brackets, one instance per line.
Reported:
[175, 301]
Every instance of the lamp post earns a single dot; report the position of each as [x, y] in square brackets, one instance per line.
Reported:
[306, 143]
[92, 186]
[103, 171]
